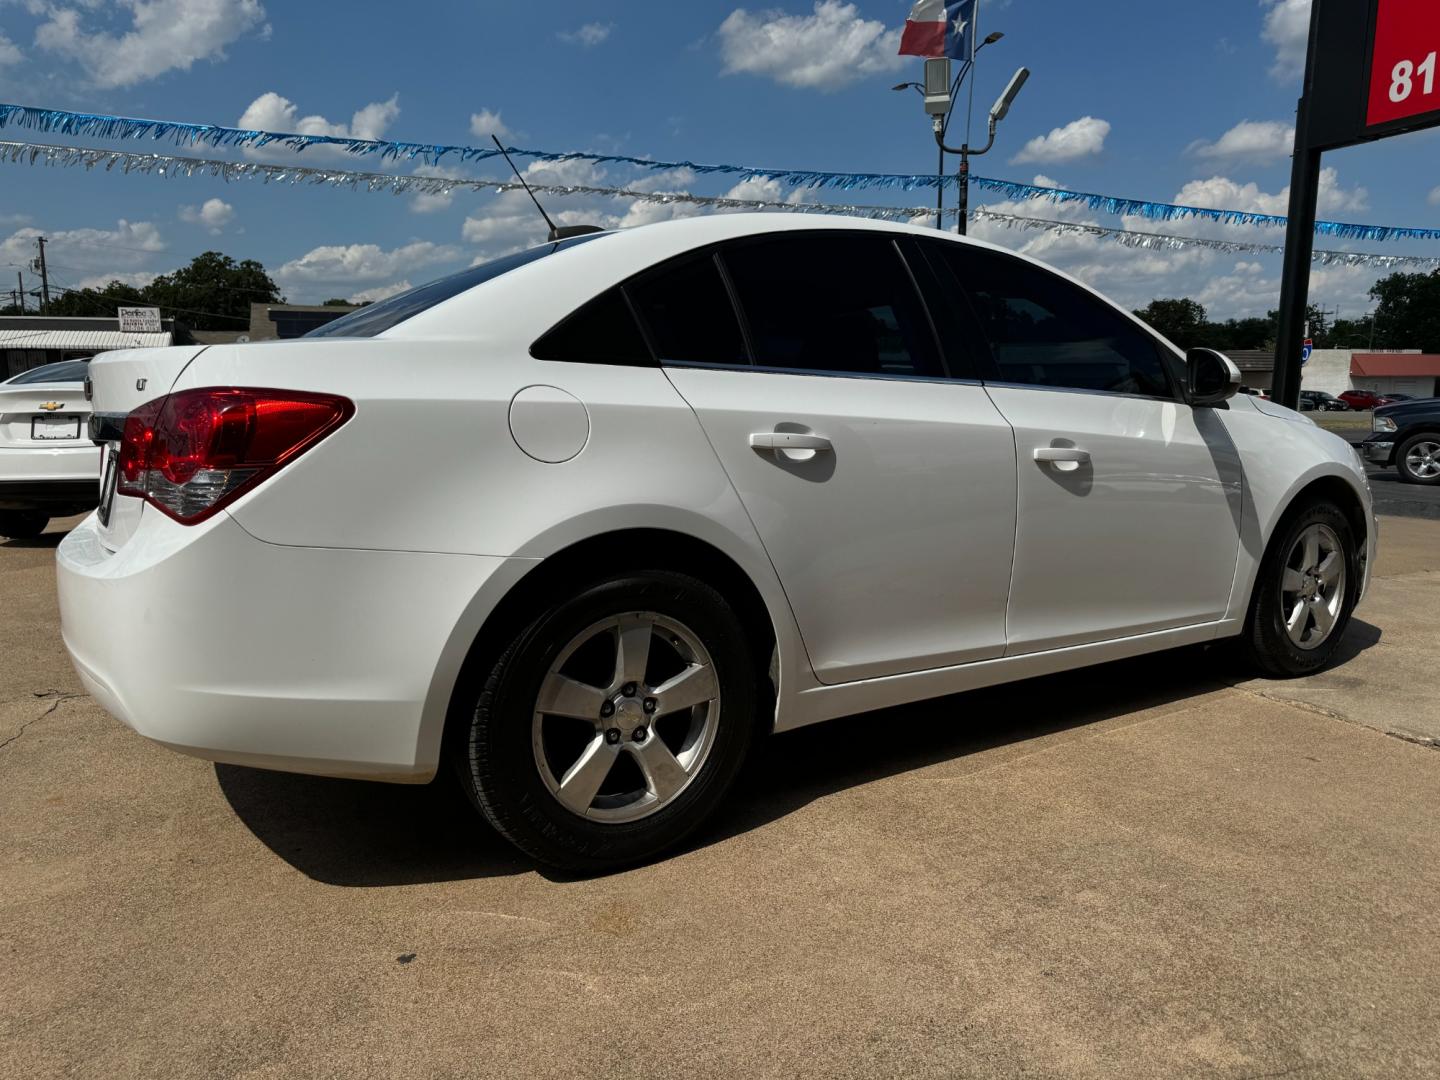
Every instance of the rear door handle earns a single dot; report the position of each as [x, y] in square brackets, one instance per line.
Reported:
[788, 440]
[1062, 453]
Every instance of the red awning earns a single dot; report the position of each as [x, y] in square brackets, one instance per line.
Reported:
[1395, 364]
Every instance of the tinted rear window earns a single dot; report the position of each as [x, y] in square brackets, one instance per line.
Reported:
[379, 317]
[63, 371]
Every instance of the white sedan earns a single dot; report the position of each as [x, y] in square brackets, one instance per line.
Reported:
[48, 465]
[583, 523]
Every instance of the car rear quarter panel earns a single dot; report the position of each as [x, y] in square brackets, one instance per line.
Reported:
[428, 463]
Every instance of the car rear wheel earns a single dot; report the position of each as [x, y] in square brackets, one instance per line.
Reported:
[22, 524]
[614, 724]
[1304, 593]
[1418, 459]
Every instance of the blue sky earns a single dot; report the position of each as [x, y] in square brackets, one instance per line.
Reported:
[1148, 100]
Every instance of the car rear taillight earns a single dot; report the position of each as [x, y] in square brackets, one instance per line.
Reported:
[194, 452]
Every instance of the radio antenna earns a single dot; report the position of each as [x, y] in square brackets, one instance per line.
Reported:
[557, 232]
[525, 186]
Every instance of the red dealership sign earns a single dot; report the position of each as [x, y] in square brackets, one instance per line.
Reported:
[1403, 79]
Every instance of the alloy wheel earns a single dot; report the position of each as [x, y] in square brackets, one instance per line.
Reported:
[1312, 587]
[1422, 460]
[626, 717]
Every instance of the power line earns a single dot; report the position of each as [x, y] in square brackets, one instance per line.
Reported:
[169, 307]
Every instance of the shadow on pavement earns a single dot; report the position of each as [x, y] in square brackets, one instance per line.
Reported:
[354, 833]
[44, 540]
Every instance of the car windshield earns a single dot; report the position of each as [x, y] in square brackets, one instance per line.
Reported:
[61, 371]
[379, 317]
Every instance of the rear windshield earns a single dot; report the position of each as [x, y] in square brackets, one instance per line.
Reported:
[379, 317]
[58, 372]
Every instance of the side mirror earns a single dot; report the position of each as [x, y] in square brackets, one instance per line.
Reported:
[1210, 377]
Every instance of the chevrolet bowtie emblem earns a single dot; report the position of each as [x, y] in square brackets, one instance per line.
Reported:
[51, 406]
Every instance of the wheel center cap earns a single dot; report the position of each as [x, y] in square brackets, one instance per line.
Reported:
[629, 714]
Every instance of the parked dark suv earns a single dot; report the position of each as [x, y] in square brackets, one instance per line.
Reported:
[1407, 436]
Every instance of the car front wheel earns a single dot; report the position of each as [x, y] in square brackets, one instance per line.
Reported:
[614, 724]
[1418, 459]
[1304, 593]
[22, 524]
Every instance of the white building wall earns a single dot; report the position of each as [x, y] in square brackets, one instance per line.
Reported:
[1327, 370]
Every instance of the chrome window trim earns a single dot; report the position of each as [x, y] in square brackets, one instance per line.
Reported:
[941, 380]
[1083, 390]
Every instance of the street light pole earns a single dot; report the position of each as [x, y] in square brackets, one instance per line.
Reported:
[942, 109]
[998, 112]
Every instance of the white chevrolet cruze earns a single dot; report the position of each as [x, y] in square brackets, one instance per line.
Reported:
[585, 522]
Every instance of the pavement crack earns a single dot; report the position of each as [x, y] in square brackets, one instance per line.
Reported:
[55, 697]
[1331, 714]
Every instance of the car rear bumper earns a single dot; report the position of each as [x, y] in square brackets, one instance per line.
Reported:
[41, 462]
[331, 661]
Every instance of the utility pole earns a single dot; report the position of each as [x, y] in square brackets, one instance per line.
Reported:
[44, 278]
[20, 277]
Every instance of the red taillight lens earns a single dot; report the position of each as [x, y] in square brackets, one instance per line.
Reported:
[195, 451]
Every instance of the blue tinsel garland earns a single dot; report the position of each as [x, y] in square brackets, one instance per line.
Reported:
[183, 134]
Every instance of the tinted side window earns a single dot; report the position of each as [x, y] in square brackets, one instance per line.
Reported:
[687, 310]
[832, 302]
[603, 331]
[1043, 331]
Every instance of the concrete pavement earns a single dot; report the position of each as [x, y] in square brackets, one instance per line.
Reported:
[1135, 870]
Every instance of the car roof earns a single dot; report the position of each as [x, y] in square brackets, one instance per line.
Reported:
[548, 289]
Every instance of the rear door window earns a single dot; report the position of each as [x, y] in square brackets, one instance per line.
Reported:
[834, 303]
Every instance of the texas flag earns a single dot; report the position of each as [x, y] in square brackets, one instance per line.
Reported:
[940, 28]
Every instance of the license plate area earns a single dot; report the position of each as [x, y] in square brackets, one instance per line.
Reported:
[54, 427]
[109, 473]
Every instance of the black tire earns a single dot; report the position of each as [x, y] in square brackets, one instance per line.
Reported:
[22, 524]
[1265, 642]
[1402, 465]
[495, 758]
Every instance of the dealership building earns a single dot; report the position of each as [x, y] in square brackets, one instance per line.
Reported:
[1401, 371]
[27, 341]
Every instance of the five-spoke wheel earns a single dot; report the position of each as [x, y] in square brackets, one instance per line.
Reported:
[598, 736]
[626, 716]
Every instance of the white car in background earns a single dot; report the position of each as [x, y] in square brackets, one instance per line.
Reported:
[583, 523]
[49, 467]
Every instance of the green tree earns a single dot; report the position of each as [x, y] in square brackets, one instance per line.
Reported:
[1407, 312]
[214, 292]
[93, 302]
[1181, 320]
[336, 301]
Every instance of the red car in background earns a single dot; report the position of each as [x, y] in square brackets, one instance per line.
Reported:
[1364, 399]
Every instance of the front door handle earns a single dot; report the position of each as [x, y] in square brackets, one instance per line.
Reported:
[1062, 453]
[788, 440]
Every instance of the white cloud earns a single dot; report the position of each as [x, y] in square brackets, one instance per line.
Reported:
[824, 51]
[1223, 193]
[587, 36]
[486, 123]
[1434, 197]
[9, 53]
[1077, 139]
[85, 250]
[347, 265]
[164, 35]
[1249, 140]
[381, 292]
[214, 214]
[272, 112]
[1287, 27]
